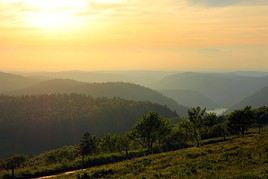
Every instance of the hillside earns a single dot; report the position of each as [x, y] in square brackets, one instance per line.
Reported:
[258, 99]
[49, 121]
[138, 77]
[190, 98]
[14, 82]
[112, 89]
[226, 89]
[236, 158]
[250, 73]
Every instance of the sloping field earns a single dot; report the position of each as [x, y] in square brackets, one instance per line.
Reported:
[240, 157]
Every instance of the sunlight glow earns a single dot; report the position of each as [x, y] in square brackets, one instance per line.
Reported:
[109, 1]
[56, 21]
[54, 15]
[57, 15]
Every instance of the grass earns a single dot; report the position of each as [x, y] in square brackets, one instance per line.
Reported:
[63, 160]
[240, 157]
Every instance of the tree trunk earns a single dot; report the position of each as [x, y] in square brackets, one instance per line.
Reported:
[151, 147]
[126, 151]
[13, 172]
[198, 138]
[243, 131]
[83, 161]
[198, 142]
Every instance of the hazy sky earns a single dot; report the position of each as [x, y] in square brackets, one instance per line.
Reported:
[133, 34]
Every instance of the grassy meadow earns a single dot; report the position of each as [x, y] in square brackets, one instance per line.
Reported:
[238, 157]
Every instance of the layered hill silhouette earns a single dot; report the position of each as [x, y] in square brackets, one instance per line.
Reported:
[138, 77]
[111, 89]
[255, 100]
[11, 82]
[211, 90]
[191, 98]
[226, 89]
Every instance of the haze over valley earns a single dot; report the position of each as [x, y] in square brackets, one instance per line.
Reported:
[133, 89]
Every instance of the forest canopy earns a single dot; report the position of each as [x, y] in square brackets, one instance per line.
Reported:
[50, 121]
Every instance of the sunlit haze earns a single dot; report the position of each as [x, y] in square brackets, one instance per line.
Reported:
[38, 35]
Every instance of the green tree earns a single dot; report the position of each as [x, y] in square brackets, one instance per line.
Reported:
[88, 146]
[196, 119]
[178, 136]
[241, 120]
[146, 130]
[123, 144]
[12, 163]
[163, 131]
[109, 143]
[220, 129]
[209, 122]
[187, 129]
[261, 117]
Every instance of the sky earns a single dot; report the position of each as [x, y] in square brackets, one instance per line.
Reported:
[53, 35]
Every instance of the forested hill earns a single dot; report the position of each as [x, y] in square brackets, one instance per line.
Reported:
[10, 82]
[112, 89]
[32, 124]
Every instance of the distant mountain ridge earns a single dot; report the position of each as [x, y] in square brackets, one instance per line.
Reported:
[255, 100]
[111, 89]
[226, 89]
[10, 82]
[190, 98]
[144, 78]
[212, 90]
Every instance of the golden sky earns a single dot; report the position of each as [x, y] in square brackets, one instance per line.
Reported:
[133, 35]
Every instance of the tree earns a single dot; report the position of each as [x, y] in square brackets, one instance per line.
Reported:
[196, 119]
[146, 130]
[88, 145]
[123, 144]
[109, 143]
[178, 136]
[261, 117]
[220, 129]
[241, 120]
[209, 122]
[163, 131]
[12, 163]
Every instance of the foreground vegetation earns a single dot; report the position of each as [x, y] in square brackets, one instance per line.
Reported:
[238, 157]
[152, 134]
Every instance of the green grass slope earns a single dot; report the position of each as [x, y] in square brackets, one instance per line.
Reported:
[243, 157]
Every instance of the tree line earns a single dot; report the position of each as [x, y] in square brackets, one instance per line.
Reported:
[151, 131]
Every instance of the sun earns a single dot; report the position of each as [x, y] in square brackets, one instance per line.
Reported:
[109, 1]
[60, 15]
[54, 15]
